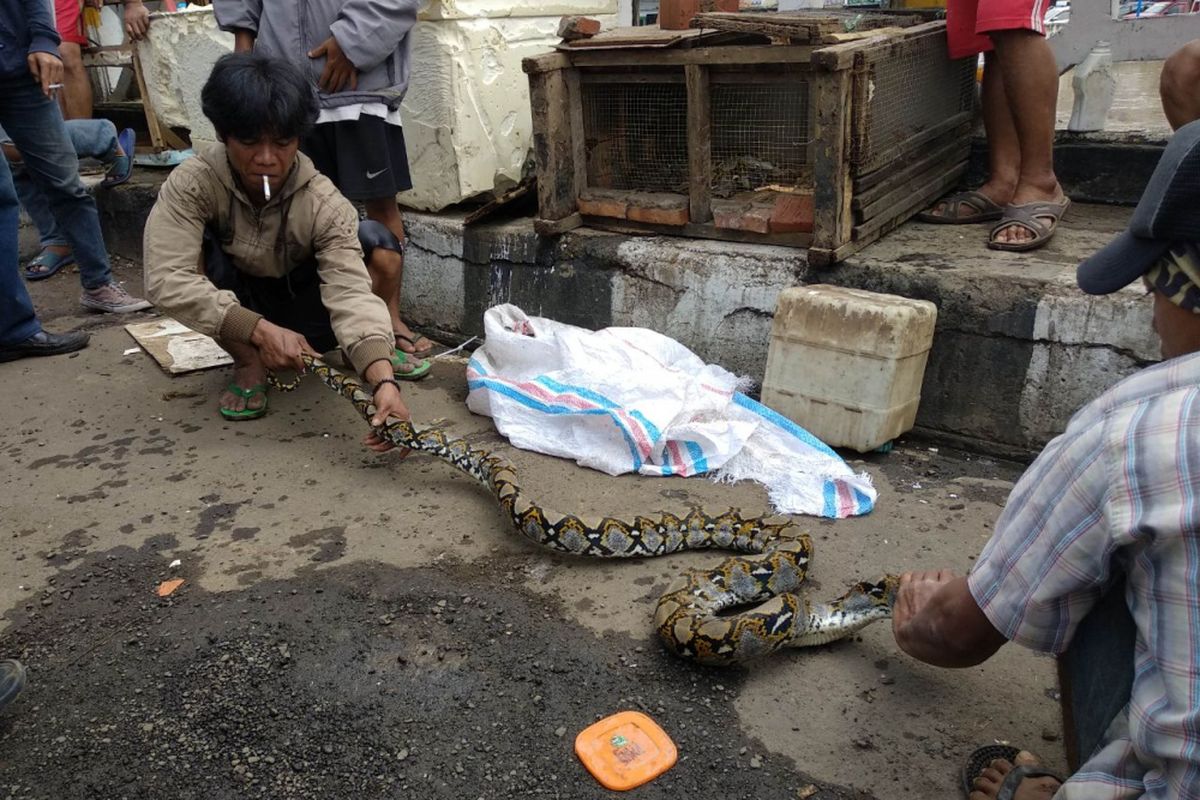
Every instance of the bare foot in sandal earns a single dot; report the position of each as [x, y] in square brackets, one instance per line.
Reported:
[1029, 221]
[409, 342]
[249, 378]
[992, 780]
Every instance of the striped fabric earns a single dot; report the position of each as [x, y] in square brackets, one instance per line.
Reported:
[1119, 491]
[633, 400]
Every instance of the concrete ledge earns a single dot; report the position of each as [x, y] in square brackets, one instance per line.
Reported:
[1017, 350]
[1086, 164]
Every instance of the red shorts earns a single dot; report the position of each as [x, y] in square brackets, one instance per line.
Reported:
[68, 17]
[969, 21]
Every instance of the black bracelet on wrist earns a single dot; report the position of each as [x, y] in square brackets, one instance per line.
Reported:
[392, 381]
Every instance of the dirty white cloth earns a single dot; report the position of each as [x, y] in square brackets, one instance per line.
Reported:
[632, 400]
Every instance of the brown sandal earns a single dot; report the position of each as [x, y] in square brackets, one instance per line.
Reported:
[986, 209]
[1028, 216]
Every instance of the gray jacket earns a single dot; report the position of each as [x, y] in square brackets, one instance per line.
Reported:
[372, 33]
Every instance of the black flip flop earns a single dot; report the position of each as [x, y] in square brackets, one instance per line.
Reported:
[983, 757]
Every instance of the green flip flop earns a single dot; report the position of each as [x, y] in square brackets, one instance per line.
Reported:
[420, 368]
[246, 394]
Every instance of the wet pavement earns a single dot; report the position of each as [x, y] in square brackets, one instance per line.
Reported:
[356, 625]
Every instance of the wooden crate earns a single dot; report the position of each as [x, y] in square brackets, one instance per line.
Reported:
[816, 145]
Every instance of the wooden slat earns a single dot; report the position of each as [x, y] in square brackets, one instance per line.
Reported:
[890, 218]
[734, 54]
[556, 227]
[593, 77]
[903, 193]
[578, 142]
[842, 56]
[699, 121]
[830, 93]
[959, 124]
[547, 62]
[553, 145]
[697, 231]
[951, 152]
[642, 36]
[156, 130]
[108, 56]
[799, 27]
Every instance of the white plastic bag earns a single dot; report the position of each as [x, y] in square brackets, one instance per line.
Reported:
[632, 400]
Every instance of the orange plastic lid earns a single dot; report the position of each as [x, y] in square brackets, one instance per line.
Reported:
[625, 750]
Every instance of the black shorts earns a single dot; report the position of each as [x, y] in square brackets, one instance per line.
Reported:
[365, 158]
[292, 302]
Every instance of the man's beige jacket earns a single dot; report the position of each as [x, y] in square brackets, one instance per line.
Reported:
[308, 219]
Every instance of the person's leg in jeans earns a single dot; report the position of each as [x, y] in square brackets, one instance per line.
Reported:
[21, 334]
[36, 127]
[18, 321]
[91, 138]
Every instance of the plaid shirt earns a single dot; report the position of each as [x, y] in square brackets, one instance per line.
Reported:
[1118, 492]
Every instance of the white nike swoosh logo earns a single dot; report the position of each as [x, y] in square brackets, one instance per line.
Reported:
[373, 175]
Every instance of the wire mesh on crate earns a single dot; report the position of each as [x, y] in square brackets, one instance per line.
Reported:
[911, 88]
[760, 136]
[636, 135]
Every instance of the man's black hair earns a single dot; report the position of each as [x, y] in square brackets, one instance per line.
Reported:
[250, 95]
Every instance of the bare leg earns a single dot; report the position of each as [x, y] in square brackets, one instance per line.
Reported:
[76, 96]
[389, 274]
[248, 371]
[1180, 85]
[1004, 149]
[1030, 77]
[387, 268]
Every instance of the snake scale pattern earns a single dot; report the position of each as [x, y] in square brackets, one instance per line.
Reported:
[739, 610]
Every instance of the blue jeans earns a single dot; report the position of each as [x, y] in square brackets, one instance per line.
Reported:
[35, 125]
[90, 138]
[17, 319]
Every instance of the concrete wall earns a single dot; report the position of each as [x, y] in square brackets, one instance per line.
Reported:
[1018, 348]
[466, 116]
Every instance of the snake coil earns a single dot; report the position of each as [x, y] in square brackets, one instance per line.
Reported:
[741, 609]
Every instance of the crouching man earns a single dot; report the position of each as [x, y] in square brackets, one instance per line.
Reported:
[248, 243]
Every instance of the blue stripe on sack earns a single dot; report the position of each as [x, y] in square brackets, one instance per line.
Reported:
[538, 405]
[475, 365]
[698, 459]
[830, 509]
[600, 400]
[775, 418]
[864, 504]
[666, 468]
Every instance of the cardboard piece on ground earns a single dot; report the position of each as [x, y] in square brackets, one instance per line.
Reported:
[167, 587]
[176, 348]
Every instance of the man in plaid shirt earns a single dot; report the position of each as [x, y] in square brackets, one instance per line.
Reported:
[1104, 525]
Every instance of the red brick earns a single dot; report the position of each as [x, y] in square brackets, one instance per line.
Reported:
[659, 216]
[792, 213]
[742, 217]
[603, 207]
[572, 28]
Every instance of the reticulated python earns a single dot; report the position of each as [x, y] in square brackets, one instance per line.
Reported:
[694, 618]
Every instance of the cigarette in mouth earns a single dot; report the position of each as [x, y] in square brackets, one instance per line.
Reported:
[266, 188]
[55, 86]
